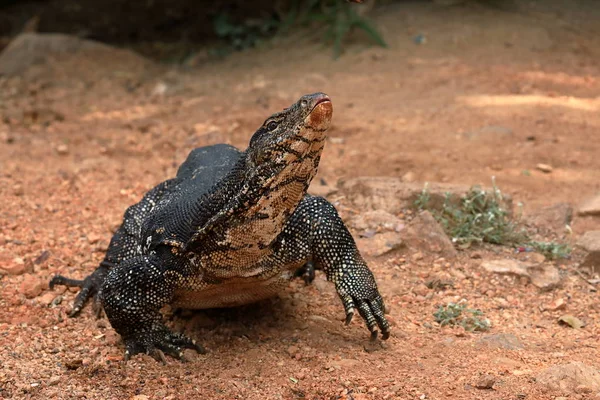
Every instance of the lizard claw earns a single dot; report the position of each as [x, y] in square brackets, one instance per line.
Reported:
[371, 308]
[90, 287]
[157, 344]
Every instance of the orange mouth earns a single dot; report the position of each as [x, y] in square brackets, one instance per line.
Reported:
[320, 116]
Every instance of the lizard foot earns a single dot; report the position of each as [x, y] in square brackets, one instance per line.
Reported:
[158, 343]
[372, 311]
[90, 287]
[306, 272]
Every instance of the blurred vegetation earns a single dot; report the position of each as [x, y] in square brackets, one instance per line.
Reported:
[337, 18]
[176, 29]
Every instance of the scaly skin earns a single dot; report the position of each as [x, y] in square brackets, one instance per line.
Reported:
[231, 228]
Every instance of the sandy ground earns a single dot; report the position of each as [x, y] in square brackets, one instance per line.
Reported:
[490, 93]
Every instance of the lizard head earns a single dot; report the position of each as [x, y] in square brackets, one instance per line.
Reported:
[290, 134]
[279, 164]
[286, 149]
[266, 186]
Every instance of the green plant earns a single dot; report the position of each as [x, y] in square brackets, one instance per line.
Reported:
[551, 250]
[422, 201]
[479, 217]
[244, 35]
[338, 16]
[458, 314]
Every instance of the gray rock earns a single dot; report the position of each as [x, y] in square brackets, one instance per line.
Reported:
[553, 218]
[28, 49]
[590, 243]
[506, 341]
[545, 276]
[379, 244]
[376, 220]
[425, 234]
[393, 195]
[570, 378]
[33, 48]
[506, 267]
[590, 206]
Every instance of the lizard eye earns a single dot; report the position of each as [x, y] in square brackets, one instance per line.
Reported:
[271, 126]
[303, 103]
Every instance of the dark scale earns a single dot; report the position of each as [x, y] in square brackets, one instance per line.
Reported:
[231, 228]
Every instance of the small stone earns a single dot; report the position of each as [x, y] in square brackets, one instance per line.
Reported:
[590, 206]
[485, 382]
[18, 190]
[293, 350]
[31, 286]
[544, 168]
[74, 363]
[42, 257]
[62, 149]
[53, 380]
[16, 266]
[590, 243]
[47, 298]
[571, 321]
[93, 238]
[558, 304]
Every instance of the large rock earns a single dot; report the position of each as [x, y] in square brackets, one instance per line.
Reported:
[590, 206]
[553, 218]
[29, 49]
[379, 244]
[542, 276]
[506, 266]
[570, 378]
[33, 48]
[376, 220]
[393, 195]
[590, 243]
[425, 234]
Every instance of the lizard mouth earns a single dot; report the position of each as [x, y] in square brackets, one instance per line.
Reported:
[320, 116]
[324, 99]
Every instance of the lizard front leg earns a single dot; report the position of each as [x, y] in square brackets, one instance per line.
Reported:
[132, 295]
[316, 231]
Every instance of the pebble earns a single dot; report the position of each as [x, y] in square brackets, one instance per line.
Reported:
[53, 380]
[47, 298]
[544, 168]
[293, 350]
[93, 238]
[15, 267]
[62, 149]
[485, 382]
[31, 286]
